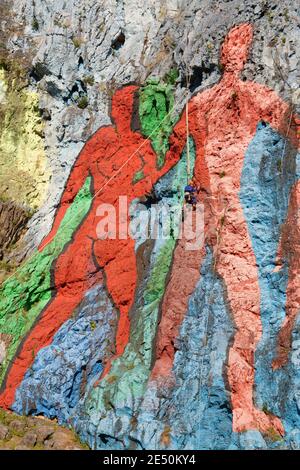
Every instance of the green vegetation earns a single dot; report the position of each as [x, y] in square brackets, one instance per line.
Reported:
[209, 46]
[273, 435]
[82, 102]
[266, 410]
[77, 42]
[89, 80]
[270, 16]
[35, 24]
[19, 427]
[171, 77]
[279, 165]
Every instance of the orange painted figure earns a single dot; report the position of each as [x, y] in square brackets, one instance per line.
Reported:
[110, 149]
[222, 122]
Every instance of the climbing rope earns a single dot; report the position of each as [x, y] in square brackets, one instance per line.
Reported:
[188, 82]
[287, 132]
[188, 164]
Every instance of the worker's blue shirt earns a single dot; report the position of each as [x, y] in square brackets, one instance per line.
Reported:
[190, 189]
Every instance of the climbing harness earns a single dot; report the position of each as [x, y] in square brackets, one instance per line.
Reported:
[189, 194]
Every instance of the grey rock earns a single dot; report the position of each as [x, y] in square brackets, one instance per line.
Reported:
[29, 439]
[2, 351]
[60, 440]
[43, 433]
[17, 426]
[3, 431]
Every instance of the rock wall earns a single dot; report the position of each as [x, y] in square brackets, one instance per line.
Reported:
[144, 343]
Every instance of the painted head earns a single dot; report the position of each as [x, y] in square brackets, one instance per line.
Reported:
[235, 48]
[122, 106]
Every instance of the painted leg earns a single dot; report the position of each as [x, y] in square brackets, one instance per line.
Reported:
[285, 334]
[121, 277]
[237, 266]
[290, 250]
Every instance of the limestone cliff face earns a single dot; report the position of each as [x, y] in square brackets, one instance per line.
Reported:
[145, 344]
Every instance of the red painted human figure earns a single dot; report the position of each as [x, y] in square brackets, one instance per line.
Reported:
[222, 122]
[75, 270]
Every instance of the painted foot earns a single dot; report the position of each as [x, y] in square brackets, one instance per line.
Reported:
[244, 420]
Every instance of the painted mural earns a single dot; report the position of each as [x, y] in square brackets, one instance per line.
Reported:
[94, 330]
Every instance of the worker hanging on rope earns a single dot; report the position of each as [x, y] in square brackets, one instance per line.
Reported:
[190, 192]
[191, 189]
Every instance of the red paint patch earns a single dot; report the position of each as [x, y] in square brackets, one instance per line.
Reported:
[107, 151]
[290, 251]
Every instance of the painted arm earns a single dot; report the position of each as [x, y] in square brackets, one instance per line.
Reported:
[178, 138]
[177, 142]
[151, 173]
[295, 191]
[276, 112]
[77, 177]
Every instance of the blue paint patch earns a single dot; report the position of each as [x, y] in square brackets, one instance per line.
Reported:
[197, 409]
[202, 400]
[64, 372]
[270, 170]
